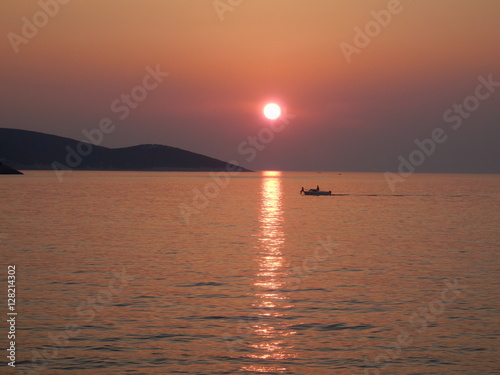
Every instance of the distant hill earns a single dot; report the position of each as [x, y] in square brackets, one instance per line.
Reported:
[4, 169]
[26, 150]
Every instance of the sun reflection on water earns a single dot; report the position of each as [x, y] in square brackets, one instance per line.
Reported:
[269, 345]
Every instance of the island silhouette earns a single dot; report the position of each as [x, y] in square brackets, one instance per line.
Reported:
[30, 150]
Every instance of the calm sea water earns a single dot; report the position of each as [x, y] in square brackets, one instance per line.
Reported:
[133, 273]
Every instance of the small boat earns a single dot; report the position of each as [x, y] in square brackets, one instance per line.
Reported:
[315, 192]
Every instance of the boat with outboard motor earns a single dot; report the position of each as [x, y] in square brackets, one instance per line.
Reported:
[315, 191]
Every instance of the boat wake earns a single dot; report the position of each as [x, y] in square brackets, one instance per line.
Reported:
[406, 195]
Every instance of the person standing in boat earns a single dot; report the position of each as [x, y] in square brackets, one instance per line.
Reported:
[317, 187]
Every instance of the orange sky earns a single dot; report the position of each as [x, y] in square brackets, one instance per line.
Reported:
[349, 116]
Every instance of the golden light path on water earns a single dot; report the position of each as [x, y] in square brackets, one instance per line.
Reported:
[269, 345]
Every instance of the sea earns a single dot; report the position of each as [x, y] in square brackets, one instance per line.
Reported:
[217, 273]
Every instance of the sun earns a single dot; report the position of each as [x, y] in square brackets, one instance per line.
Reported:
[272, 111]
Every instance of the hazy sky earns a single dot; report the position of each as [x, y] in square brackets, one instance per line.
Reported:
[358, 101]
